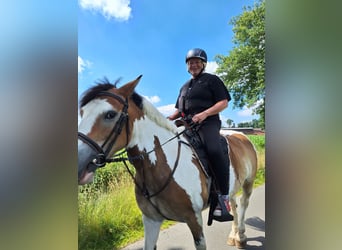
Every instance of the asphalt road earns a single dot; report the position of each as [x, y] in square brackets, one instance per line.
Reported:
[178, 237]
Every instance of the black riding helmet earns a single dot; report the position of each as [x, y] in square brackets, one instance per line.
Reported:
[196, 53]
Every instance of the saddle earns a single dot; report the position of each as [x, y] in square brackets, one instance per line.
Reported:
[191, 133]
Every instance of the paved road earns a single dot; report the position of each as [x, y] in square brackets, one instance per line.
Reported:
[178, 237]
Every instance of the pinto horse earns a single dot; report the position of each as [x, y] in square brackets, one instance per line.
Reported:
[170, 182]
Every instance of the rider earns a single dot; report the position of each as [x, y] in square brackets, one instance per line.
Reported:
[202, 98]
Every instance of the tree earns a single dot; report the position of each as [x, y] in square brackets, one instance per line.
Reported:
[243, 70]
[230, 122]
[253, 124]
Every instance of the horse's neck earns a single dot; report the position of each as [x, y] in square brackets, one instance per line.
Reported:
[164, 156]
[147, 135]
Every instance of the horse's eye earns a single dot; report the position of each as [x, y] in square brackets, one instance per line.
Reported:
[110, 115]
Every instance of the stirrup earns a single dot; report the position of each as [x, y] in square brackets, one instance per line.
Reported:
[225, 215]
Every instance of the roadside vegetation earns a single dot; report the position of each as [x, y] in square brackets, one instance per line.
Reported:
[108, 216]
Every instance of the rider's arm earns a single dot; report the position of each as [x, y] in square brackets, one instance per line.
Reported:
[213, 110]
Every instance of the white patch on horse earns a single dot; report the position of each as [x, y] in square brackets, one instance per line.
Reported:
[188, 177]
[230, 132]
[90, 113]
[158, 126]
[145, 141]
[232, 178]
[248, 166]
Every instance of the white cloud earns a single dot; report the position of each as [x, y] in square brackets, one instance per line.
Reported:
[211, 67]
[223, 121]
[167, 109]
[249, 111]
[245, 112]
[153, 99]
[117, 9]
[83, 64]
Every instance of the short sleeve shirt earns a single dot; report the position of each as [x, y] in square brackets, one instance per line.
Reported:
[201, 93]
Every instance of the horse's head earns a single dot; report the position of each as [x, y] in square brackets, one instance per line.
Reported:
[106, 118]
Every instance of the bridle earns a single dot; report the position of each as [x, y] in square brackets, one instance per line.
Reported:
[102, 158]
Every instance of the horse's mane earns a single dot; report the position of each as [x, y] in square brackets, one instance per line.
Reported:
[102, 85]
[153, 114]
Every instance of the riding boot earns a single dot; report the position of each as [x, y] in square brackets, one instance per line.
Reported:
[223, 213]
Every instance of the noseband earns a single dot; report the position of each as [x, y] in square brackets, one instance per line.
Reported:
[102, 155]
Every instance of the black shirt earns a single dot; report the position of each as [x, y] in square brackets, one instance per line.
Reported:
[200, 93]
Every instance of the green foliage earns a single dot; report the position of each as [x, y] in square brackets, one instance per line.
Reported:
[108, 215]
[260, 177]
[243, 70]
[258, 141]
[254, 124]
[106, 178]
[230, 123]
[259, 144]
[110, 220]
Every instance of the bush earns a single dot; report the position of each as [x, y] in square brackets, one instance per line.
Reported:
[107, 178]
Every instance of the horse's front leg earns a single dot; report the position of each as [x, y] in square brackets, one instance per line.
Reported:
[151, 231]
[196, 227]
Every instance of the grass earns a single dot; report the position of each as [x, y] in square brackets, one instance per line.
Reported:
[259, 143]
[109, 220]
[108, 216]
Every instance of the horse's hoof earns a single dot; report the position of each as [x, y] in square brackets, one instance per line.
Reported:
[231, 241]
[240, 244]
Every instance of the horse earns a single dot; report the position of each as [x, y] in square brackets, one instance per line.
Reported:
[170, 183]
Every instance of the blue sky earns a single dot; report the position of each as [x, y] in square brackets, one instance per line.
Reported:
[126, 38]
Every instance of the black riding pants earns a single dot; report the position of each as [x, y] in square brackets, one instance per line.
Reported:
[210, 134]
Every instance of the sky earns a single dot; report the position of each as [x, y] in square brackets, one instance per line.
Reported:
[127, 38]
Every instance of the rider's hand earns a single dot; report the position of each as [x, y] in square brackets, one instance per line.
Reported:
[200, 117]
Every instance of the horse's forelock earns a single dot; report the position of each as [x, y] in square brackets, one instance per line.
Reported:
[101, 85]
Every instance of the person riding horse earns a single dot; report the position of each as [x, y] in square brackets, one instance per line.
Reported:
[199, 101]
[170, 183]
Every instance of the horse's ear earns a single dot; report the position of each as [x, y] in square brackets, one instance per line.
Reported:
[129, 87]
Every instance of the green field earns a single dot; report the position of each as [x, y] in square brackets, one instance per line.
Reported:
[108, 216]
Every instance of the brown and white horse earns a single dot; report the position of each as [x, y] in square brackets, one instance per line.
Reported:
[170, 182]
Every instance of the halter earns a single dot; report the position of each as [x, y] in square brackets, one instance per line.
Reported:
[102, 155]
